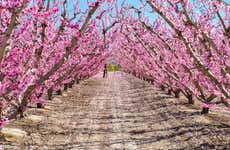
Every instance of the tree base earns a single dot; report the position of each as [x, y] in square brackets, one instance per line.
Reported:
[162, 87]
[21, 114]
[58, 92]
[39, 105]
[169, 92]
[205, 111]
[65, 87]
[50, 93]
[177, 93]
[77, 81]
[71, 84]
[190, 99]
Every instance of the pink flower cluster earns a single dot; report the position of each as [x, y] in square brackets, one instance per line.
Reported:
[182, 49]
[45, 47]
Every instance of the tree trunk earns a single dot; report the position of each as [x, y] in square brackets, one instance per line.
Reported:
[20, 110]
[169, 92]
[39, 105]
[71, 84]
[0, 113]
[65, 86]
[77, 81]
[205, 111]
[162, 87]
[190, 99]
[59, 92]
[177, 93]
[49, 93]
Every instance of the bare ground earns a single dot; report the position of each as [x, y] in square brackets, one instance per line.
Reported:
[120, 113]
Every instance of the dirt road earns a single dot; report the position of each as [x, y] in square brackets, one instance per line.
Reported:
[120, 113]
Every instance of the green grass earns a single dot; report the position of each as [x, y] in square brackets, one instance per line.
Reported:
[113, 67]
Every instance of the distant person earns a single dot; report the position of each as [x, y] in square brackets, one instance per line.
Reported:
[105, 71]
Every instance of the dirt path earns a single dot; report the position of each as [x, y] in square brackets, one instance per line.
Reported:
[119, 113]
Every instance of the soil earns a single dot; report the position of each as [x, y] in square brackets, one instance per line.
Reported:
[120, 113]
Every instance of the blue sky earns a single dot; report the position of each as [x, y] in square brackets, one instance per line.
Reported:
[135, 3]
[83, 3]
